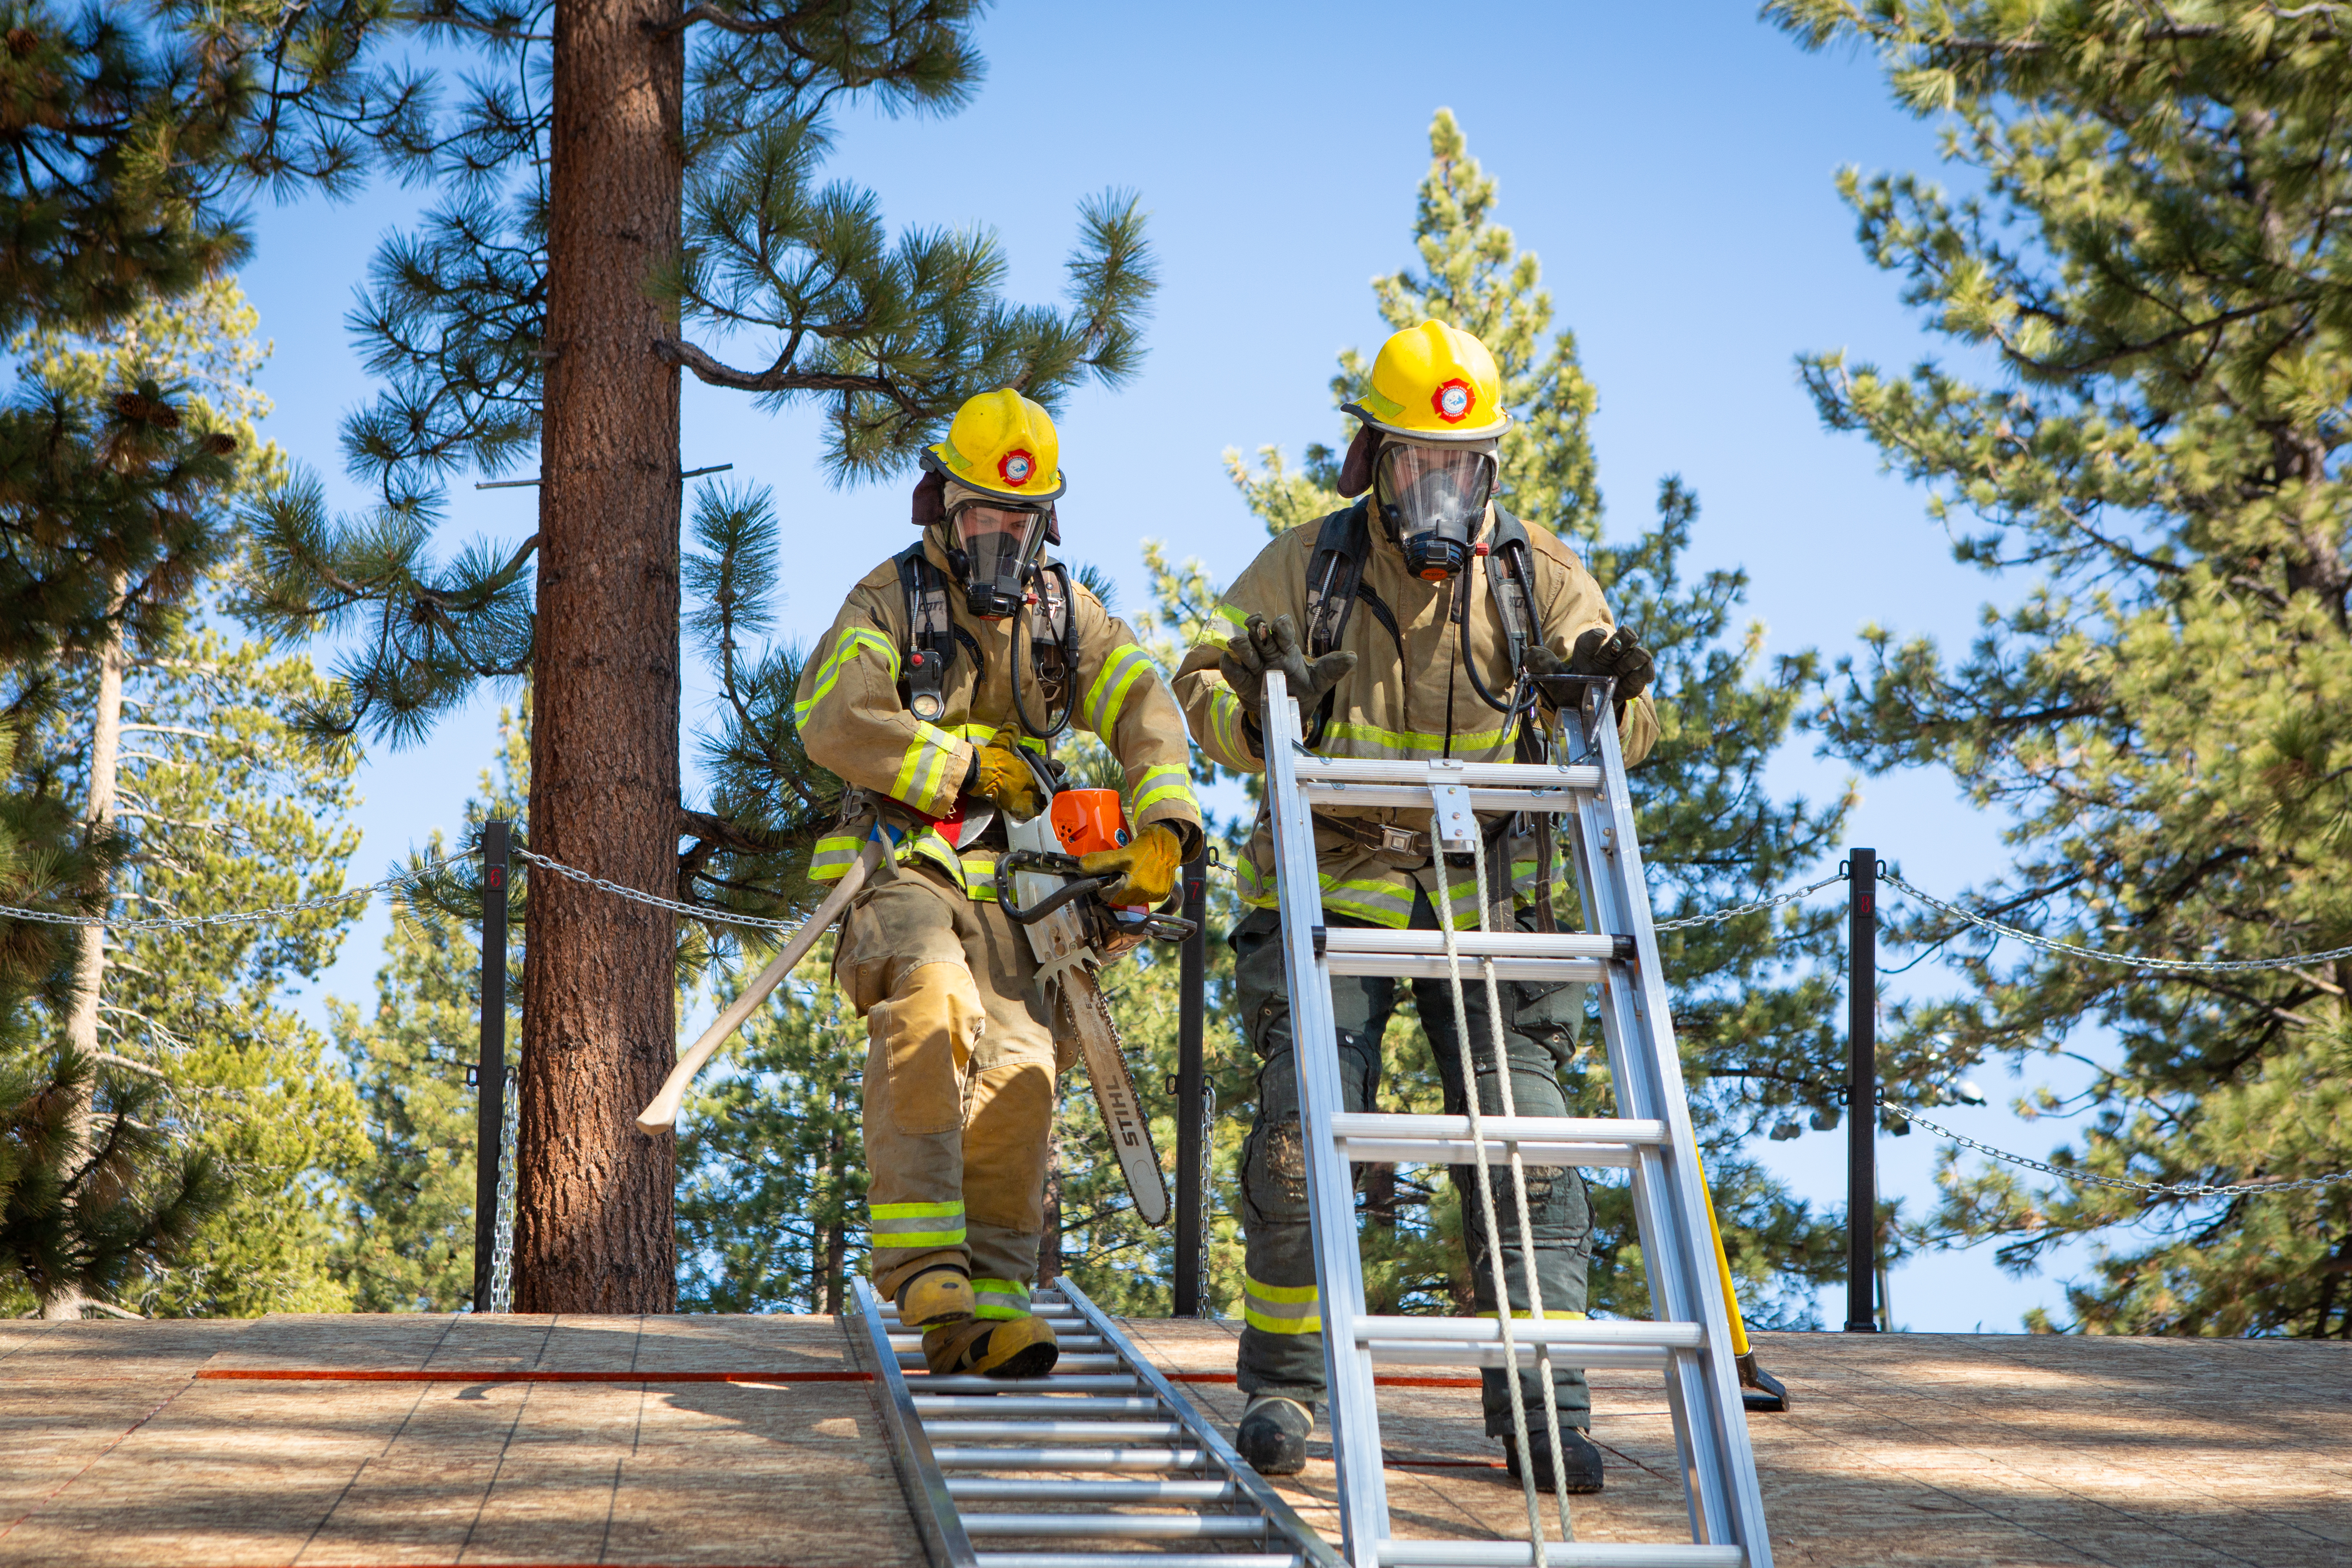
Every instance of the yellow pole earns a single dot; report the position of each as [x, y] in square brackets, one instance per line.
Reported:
[1771, 1393]
[1723, 1267]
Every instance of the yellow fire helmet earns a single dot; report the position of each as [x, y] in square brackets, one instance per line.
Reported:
[1003, 444]
[1434, 383]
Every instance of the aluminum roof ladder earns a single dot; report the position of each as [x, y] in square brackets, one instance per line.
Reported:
[1102, 1463]
[1689, 1338]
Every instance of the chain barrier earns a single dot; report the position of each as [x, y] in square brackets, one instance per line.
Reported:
[502, 1249]
[237, 917]
[2089, 1179]
[2073, 950]
[674, 906]
[1774, 902]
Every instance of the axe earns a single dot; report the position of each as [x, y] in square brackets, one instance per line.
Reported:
[662, 1113]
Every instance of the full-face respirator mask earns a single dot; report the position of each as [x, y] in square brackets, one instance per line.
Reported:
[1432, 500]
[991, 549]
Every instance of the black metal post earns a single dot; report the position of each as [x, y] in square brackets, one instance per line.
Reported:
[1861, 1092]
[1191, 1157]
[491, 1105]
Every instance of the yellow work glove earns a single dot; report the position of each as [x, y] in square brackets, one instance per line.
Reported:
[1002, 778]
[1147, 862]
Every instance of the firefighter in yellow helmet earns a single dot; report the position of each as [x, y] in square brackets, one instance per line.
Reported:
[1422, 621]
[947, 661]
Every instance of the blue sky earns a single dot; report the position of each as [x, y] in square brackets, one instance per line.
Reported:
[1673, 168]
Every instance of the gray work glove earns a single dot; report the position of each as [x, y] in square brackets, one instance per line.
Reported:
[1619, 653]
[1274, 644]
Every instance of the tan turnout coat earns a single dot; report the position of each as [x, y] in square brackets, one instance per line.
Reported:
[1416, 700]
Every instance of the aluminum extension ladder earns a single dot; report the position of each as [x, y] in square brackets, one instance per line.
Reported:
[1689, 1342]
[1104, 1430]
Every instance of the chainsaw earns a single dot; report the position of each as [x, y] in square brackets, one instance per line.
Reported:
[1044, 888]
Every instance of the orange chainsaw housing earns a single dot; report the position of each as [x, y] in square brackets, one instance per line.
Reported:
[1086, 820]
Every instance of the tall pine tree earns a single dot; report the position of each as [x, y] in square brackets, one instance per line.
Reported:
[2154, 278]
[622, 174]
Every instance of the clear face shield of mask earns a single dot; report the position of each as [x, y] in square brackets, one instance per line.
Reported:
[1433, 500]
[992, 548]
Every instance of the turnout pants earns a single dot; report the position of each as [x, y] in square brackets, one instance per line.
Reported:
[960, 1069]
[1282, 1342]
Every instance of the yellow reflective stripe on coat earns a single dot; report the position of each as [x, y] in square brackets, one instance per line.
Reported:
[918, 1224]
[1107, 695]
[854, 641]
[1383, 903]
[1225, 722]
[1239, 617]
[922, 782]
[980, 876]
[1166, 782]
[835, 855]
[1281, 1309]
[1000, 1298]
[982, 734]
[1345, 740]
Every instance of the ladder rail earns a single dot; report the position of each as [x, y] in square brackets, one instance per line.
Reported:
[937, 1518]
[1331, 1188]
[1725, 1502]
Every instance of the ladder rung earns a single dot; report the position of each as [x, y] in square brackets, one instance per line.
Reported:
[901, 1340]
[1373, 1137]
[1054, 1431]
[1119, 1526]
[1427, 771]
[1031, 1404]
[1141, 1560]
[1609, 1332]
[1036, 1308]
[1411, 797]
[1071, 1458]
[1567, 1554]
[1535, 971]
[923, 1384]
[912, 1361]
[1425, 1352]
[1471, 944]
[988, 1489]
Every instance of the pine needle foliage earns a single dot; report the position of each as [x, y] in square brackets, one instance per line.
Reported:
[2150, 293]
[1754, 1002]
[798, 277]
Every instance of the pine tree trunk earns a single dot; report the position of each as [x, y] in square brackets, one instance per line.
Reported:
[1049, 1250]
[836, 1231]
[65, 1298]
[594, 1223]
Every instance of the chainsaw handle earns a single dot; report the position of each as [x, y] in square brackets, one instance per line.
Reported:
[1050, 902]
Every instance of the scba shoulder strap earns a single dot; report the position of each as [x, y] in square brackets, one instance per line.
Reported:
[933, 637]
[1335, 582]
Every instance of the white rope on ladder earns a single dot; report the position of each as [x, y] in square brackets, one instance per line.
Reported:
[1445, 905]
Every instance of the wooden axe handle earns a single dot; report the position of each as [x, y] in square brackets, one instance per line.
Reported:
[662, 1112]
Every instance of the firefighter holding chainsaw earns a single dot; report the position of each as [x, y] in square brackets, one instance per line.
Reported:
[1422, 621]
[949, 662]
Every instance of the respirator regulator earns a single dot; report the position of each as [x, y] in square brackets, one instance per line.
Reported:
[993, 548]
[1434, 500]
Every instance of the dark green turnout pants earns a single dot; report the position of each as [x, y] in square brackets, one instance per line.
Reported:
[1282, 1342]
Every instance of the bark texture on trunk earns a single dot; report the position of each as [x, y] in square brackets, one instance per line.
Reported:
[1049, 1248]
[594, 1229]
[64, 1298]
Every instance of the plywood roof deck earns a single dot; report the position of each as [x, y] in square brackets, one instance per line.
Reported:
[734, 1441]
